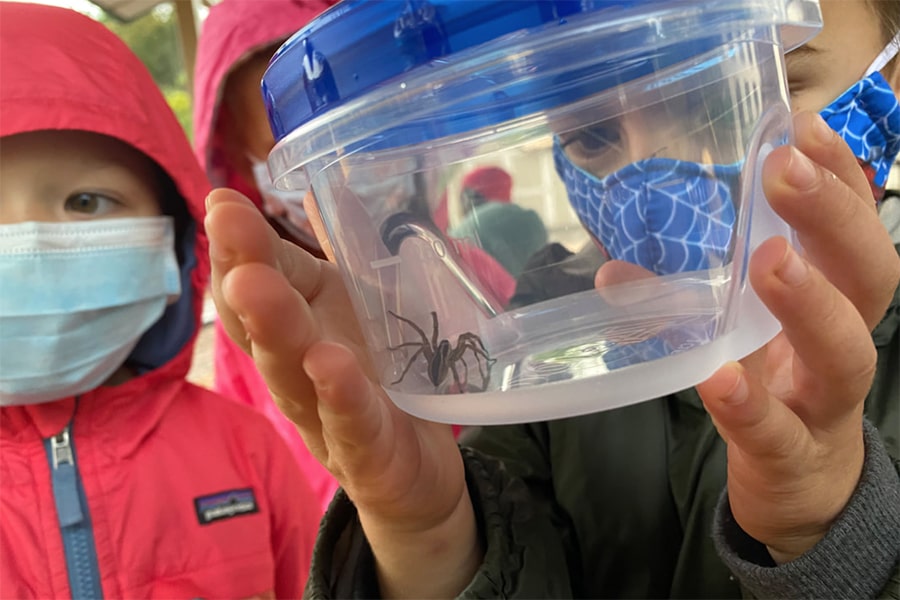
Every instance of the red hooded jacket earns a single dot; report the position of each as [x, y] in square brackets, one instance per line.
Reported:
[232, 32]
[173, 491]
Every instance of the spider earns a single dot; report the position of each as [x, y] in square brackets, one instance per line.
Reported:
[441, 357]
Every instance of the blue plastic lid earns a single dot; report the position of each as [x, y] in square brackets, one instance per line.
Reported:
[361, 47]
[358, 44]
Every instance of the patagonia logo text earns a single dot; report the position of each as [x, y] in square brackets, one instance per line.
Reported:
[225, 505]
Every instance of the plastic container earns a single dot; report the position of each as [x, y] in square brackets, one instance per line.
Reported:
[614, 269]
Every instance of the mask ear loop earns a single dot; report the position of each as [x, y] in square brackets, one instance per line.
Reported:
[886, 55]
[257, 164]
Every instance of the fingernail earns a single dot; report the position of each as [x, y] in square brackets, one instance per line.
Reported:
[793, 270]
[739, 393]
[218, 253]
[822, 132]
[801, 172]
[206, 202]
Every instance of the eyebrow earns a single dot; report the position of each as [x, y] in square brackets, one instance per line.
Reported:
[802, 59]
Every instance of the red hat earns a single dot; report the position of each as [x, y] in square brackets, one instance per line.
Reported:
[493, 183]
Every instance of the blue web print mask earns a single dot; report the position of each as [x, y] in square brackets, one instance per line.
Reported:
[867, 117]
[663, 214]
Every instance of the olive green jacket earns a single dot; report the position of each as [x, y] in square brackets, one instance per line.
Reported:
[630, 503]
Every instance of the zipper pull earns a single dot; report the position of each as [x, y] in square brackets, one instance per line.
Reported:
[65, 480]
[62, 449]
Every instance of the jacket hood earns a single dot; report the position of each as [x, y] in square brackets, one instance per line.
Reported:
[492, 183]
[232, 32]
[60, 70]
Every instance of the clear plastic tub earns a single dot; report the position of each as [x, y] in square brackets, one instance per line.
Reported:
[614, 269]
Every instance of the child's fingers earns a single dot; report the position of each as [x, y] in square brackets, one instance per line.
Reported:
[749, 418]
[824, 196]
[822, 145]
[280, 328]
[354, 413]
[784, 487]
[834, 357]
[237, 234]
[832, 367]
[264, 288]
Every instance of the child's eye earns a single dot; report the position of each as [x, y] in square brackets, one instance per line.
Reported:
[90, 204]
[596, 139]
[598, 148]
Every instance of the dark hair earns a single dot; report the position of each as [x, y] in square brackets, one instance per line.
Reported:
[888, 14]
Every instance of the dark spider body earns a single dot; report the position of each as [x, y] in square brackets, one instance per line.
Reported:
[441, 358]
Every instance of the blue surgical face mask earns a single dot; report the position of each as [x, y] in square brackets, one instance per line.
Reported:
[76, 299]
[867, 117]
[665, 215]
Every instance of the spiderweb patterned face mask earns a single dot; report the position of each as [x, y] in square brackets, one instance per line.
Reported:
[663, 214]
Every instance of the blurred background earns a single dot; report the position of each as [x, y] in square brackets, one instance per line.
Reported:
[162, 34]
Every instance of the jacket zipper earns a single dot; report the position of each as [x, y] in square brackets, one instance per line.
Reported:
[74, 519]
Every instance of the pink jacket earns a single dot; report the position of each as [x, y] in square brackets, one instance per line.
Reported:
[173, 491]
[234, 30]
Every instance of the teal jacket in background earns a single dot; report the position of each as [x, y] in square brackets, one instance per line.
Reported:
[508, 232]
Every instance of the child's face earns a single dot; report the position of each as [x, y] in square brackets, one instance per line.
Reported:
[818, 73]
[837, 57]
[248, 130]
[57, 176]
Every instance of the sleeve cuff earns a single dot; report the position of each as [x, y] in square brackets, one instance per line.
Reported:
[856, 557]
[343, 565]
[514, 532]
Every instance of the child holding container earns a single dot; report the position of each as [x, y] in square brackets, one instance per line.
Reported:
[777, 475]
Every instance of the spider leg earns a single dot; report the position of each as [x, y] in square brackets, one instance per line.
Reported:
[405, 345]
[466, 367]
[416, 327]
[464, 343]
[425, 347]
[473, 343]
[470, 341]
[455, 376]
[409, 364]
[481, 370]
[471, 337]
[484, 371]
[458, 355]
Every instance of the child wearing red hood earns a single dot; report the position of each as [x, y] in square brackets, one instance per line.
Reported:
[486, 184]
[232, 141]
[119, 478]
